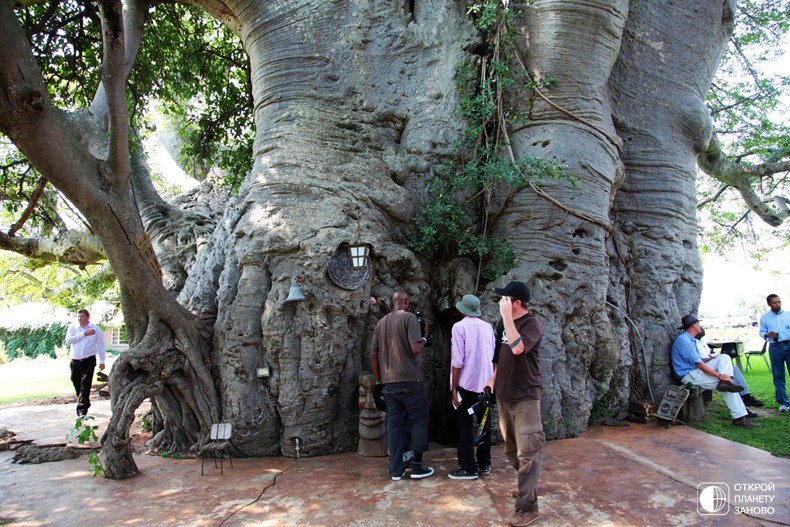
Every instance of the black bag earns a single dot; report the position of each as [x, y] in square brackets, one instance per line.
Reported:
[378, 397]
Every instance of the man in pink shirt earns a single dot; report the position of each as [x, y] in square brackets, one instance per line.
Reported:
[471, 367]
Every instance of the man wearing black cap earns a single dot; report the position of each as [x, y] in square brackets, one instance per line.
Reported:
[517, 385]
[715, 374]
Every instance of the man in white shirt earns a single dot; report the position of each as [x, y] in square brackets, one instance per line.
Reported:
[86, 342]
[706, 354]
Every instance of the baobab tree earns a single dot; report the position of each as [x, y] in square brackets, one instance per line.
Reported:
[580, 128]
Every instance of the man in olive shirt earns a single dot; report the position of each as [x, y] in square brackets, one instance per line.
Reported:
[397, 341]
[517, 386]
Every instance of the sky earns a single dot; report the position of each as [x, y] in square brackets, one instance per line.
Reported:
[734, 283]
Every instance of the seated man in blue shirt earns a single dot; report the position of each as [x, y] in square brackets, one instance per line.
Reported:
[715, 374]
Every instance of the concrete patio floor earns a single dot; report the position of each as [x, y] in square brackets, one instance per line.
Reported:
[640, 475]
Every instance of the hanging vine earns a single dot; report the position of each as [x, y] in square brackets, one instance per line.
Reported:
[461, 212]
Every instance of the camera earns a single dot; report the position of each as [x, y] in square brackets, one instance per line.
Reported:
[485, 397]
[423, 326]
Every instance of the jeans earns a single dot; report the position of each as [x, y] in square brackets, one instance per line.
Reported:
[82, 379]
[780, 359]
[522, 429]
[406, 401]
[466, 428]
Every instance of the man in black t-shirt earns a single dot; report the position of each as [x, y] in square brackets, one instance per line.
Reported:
[517, 386]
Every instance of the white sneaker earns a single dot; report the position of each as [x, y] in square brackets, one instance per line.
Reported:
[784, 408]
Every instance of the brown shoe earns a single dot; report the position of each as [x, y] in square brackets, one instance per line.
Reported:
[521, 518]
[744, 422]
[728, 386]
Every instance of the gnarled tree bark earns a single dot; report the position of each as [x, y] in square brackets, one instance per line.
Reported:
[355, 107]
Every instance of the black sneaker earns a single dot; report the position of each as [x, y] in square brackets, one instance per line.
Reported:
[484, 471]
[419, 472]
[398, 478]
[462, 474]
[750, 400]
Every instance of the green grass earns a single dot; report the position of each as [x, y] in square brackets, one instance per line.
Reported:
[28, 380]
[24, 380]
[774, 425]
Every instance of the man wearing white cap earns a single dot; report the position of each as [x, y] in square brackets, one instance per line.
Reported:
[472, 349]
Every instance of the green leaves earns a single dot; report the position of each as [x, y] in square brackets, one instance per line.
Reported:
[206, 94]
[468, 195]
[749, 105]
[86, 433]
[32, 342]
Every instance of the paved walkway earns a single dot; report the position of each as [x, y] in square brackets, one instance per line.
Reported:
[640, 475]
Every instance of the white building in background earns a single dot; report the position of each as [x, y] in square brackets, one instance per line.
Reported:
[115, 333]
[35, 314]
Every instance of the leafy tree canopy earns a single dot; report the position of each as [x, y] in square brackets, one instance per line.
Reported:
[190, 69]
[750, 105]
[193, 70]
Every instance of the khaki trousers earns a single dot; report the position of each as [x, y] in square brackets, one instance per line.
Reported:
[522, 429]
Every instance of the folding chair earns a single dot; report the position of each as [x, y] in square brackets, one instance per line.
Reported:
[761, 353]
[217, 445]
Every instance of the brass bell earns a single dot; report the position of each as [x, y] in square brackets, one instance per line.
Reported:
[295, 293]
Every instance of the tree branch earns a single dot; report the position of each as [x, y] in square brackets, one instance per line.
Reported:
[114, 83]
[714, 162]
[31, 205]
[74, 248]
[39, 130]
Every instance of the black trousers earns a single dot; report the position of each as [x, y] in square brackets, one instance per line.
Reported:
[82, 379]
[467, 459]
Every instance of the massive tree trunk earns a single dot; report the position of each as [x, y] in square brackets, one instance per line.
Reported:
[658, 86]
[355, 108]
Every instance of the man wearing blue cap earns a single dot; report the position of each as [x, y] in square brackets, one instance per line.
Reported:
[517, 386]
[472, 350]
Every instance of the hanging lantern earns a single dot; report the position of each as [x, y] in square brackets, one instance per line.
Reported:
[359, 251]
[359, 255]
